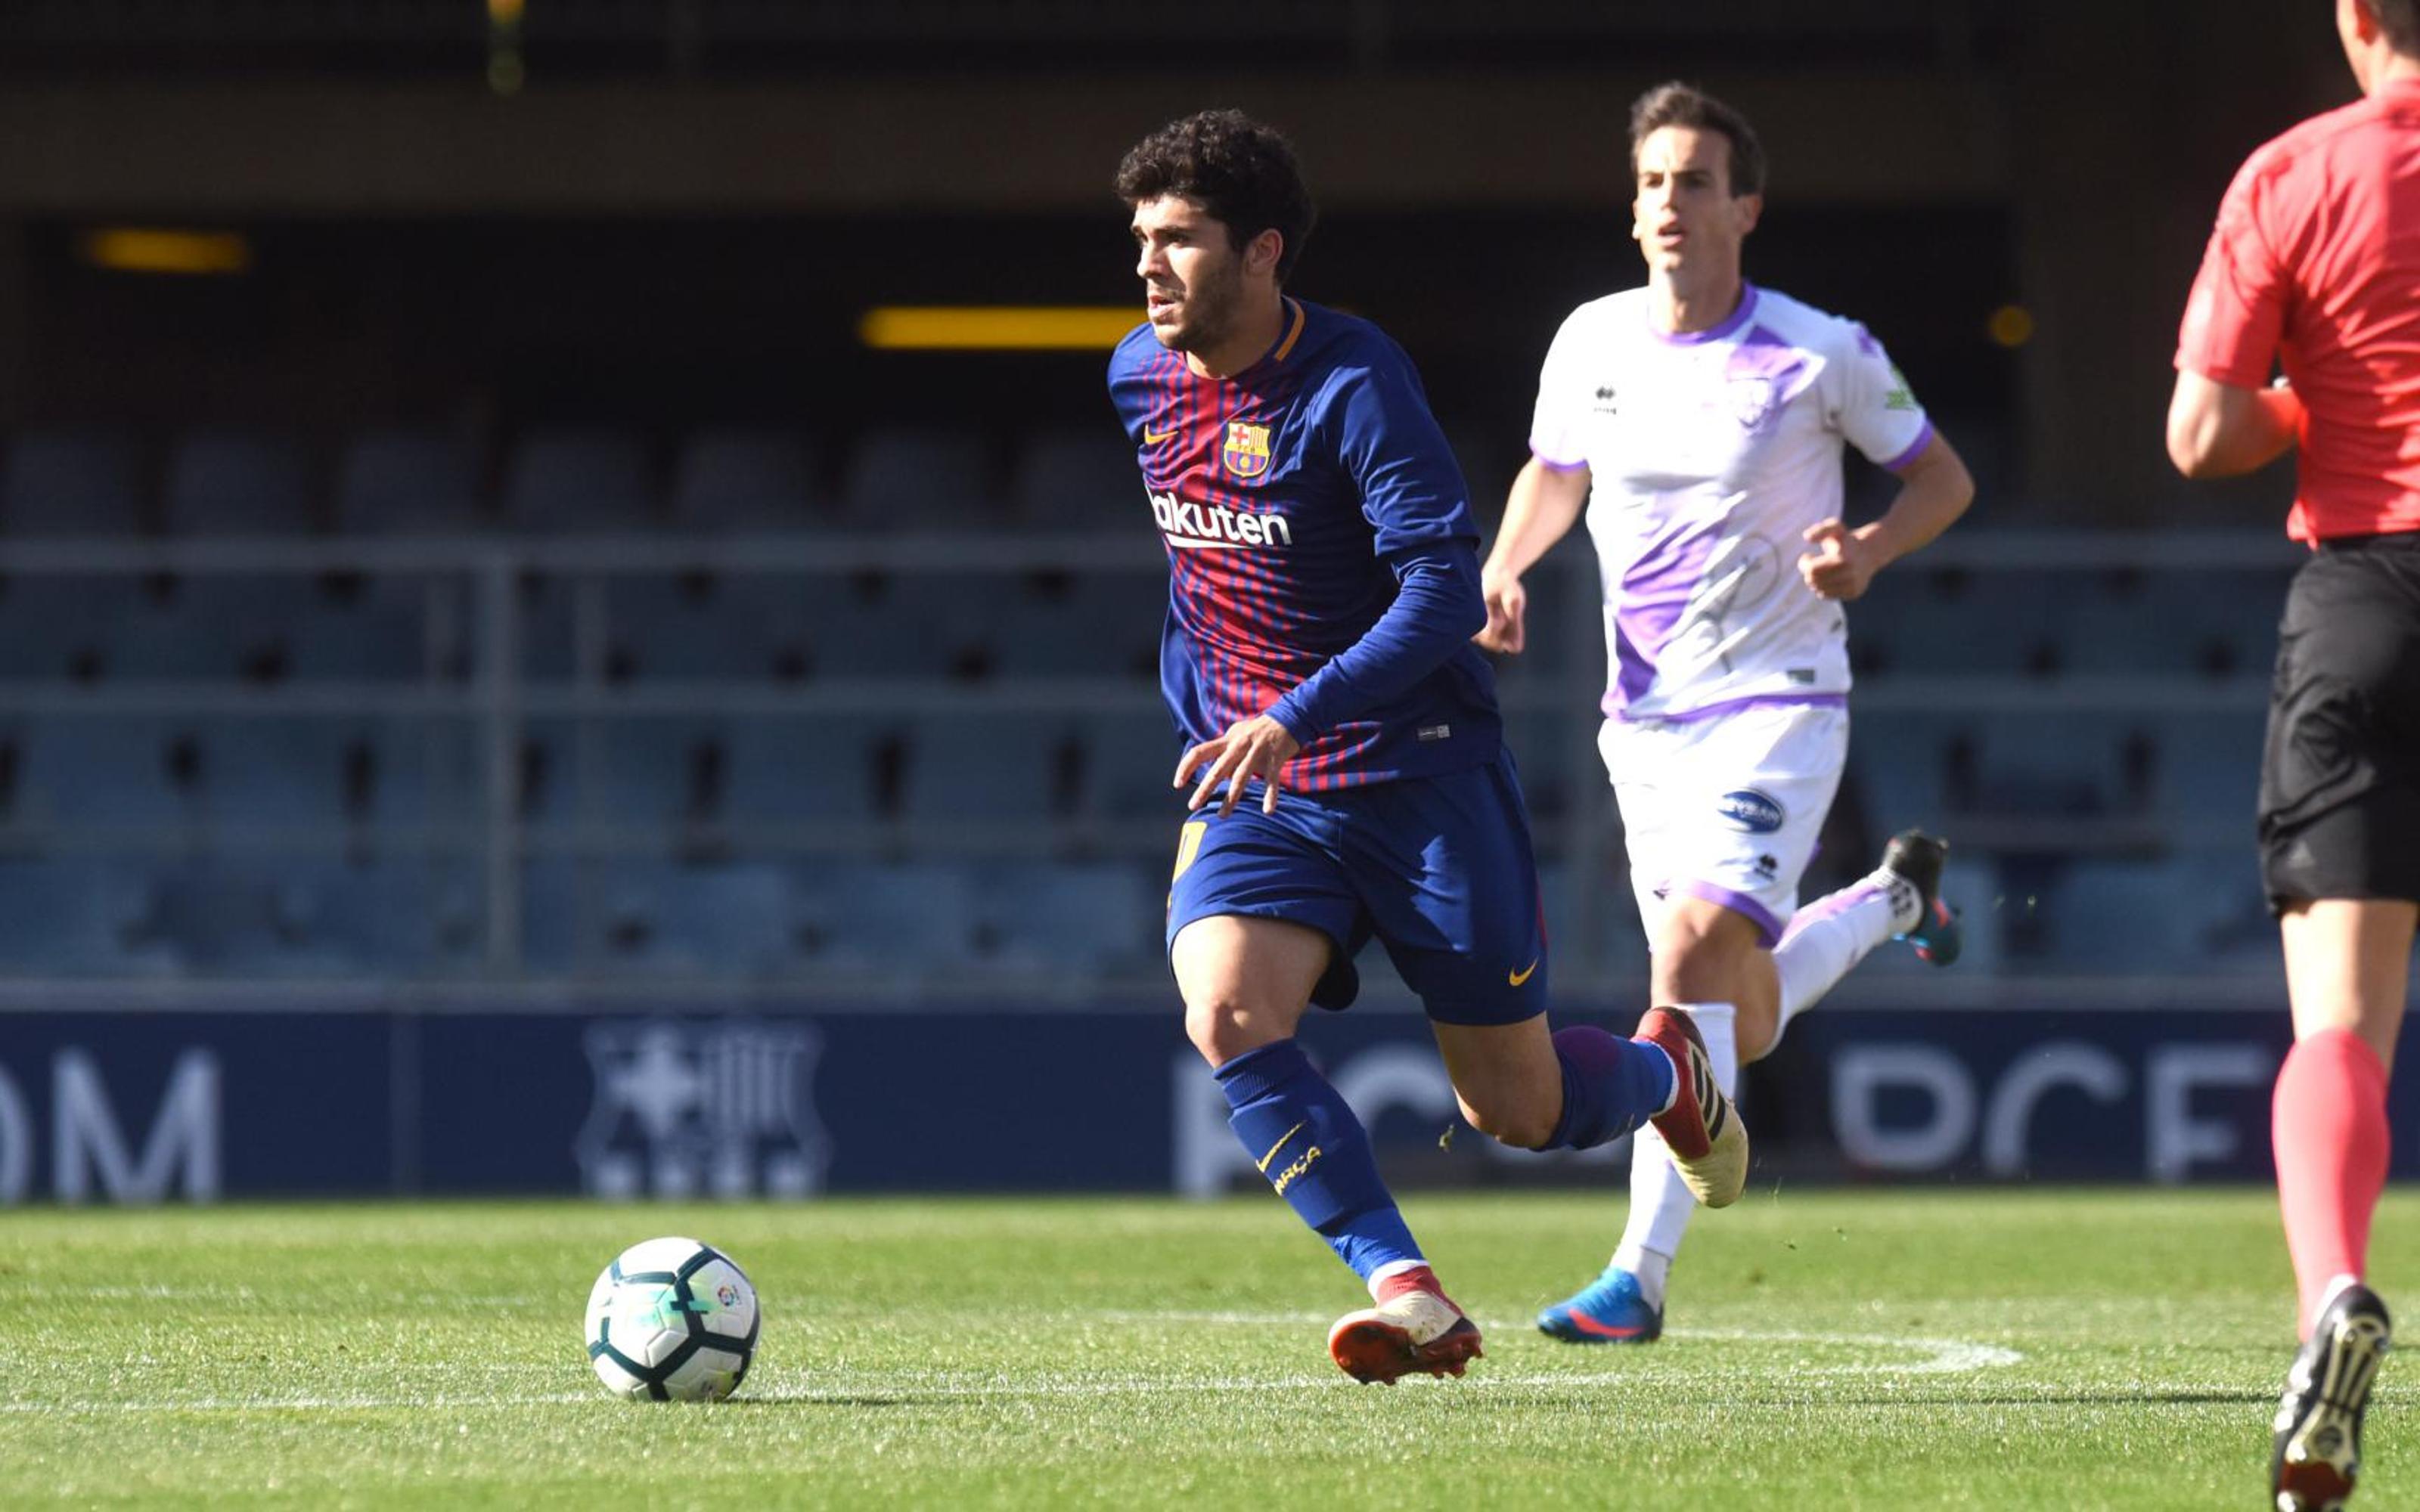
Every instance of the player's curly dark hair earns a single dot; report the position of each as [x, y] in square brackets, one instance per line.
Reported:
[1685, 105]
[1240, 172]
[2401, 21]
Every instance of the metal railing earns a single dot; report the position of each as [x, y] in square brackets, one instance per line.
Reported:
[473, 674]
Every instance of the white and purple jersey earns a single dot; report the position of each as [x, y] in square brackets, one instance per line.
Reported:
[1709, 454]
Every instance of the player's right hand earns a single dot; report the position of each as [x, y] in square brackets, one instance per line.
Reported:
[1508, 602]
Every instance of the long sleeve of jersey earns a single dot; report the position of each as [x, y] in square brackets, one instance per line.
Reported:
[1437, 608]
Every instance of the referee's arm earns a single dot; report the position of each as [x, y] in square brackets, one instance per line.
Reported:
[2224, 430]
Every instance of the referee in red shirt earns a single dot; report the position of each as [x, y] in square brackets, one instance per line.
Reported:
[2314, 264]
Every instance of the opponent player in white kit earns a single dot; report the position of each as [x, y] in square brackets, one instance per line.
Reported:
[1709, 415]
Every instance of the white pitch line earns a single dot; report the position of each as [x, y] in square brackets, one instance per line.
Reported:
[1937, 1356]
[289, 1404]
[1945, 1356]
[1942, 1357]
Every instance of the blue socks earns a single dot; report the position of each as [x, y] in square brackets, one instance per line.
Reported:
[1306, 1140]
[1610, 1086]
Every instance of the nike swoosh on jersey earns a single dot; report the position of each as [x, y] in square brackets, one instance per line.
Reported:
[1517, 978]
[1152, 438]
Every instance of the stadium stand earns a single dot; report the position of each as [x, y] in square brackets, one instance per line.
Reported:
[918, 481]
[403, 482]
[921, 738]
[230, 484]
[731, 481]
[578, 483]
[85, 485]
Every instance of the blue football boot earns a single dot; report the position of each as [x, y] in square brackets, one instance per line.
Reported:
[1609, 1310]
[1916, 858]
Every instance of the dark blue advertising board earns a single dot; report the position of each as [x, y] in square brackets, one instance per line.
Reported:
[793, 1100]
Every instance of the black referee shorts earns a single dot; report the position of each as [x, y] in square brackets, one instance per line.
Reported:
[2340, 775]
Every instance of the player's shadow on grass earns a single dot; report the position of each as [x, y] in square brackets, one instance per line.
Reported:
[795, 1404]
[2058, 1399]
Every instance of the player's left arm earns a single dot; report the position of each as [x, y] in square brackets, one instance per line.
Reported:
[1935, 489]
[1413, 494]
[1437, 607]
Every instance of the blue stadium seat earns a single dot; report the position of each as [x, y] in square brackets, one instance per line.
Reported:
[804, 768]
[995, 767]
[240, 919]
[407, 483]
[228, 483]
[1550, 749]
[631, 772]
[2128, 624]
[2172, 624]
[71, 484]
[578, 482]
[429, 772]
[1610, 926]
[1072, 920]
[1899, 758]
[293, 772]
[918, 480]
[55, 625]
[1949, 622]
[67, 485]
[1089, 625]
[921, 625]
[1564, 619]
[1489, 460]
[303, 771]
[653, 918]
[2180, 915]
[400, 915]
[783, 627]
[74, 917]
[954, 622]
[2077, 762]
[1079, 480]
[743, 481]
[899, 922]
[1129, 760]
[692, 627]
[115, 772]
[2207, 770]
[205, 627]
[389, 627]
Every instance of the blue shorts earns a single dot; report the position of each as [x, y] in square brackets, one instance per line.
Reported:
[1438, 868]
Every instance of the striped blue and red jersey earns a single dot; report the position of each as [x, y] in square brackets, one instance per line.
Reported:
[1299, 500]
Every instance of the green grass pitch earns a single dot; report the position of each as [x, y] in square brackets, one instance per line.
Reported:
[1916, 1348]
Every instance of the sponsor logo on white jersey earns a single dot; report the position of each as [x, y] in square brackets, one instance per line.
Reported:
[1199, 527]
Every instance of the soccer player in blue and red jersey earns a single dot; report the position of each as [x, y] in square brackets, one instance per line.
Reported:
[2314, 266]
[1347, 772]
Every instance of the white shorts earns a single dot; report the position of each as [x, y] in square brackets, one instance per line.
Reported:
[1726, 808]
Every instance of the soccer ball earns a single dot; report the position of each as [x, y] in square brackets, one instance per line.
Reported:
[671, 1320]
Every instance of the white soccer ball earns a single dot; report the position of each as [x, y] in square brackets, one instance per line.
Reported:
[671, 1320]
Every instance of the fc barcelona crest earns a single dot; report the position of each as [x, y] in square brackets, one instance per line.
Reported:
[1247, 451]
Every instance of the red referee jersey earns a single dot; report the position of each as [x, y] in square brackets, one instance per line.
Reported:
[2315, 261]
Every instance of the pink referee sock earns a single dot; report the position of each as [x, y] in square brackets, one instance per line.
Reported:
[2329, 1126]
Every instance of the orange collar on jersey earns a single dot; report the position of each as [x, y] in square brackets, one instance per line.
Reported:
[1293, 333]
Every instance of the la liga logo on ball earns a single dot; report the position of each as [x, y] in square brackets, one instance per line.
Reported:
[671, 1321]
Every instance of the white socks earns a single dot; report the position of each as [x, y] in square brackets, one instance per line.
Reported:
[1825, 939]
[1660, 1203]
[1833, 934]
